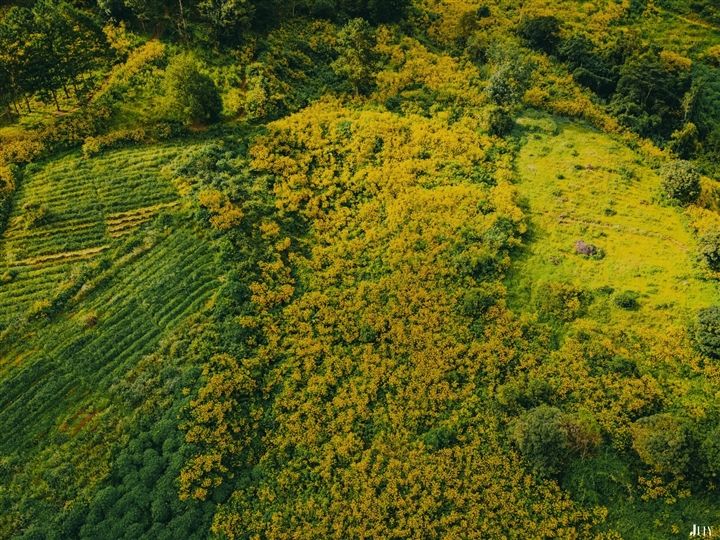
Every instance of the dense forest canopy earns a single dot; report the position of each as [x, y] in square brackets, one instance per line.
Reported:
[359, 269]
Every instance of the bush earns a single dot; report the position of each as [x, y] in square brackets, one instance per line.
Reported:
[499, 121]
[356, 56]
[192, 95]
[710, 249]
[509, 81]
[710, 451]
[627, 300]
[477, 300]
[560, 301]
[583, 433]
[94, 145]
[541, 436]
[681, 182]
[541, 33]
[662, 442]
[707, 332]
[685, 141]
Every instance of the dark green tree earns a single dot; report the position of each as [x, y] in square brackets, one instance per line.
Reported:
[649, 95]
[589, 67]
[707, 332]
[542, 437]
[356, 57]
[662, 441]
[710, 249]
[542, 33]
[192, 95]
[227, 18]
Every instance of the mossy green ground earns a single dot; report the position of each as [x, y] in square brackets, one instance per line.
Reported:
[580, 184]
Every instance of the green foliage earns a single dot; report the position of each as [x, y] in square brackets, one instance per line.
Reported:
[509, 81]
[663, 443]
[589, 66]
[627, 300]
[46, 48]
[560, 301]
[541, 32]
[192, 94]
[710, 249]
[684, 142]
[710, 451]
[356, 56]
[500, 121]
[476, 301]
[649, 93]
[707, 332]
[542, 437]
[35, 215]
[228, 18]
[681, 182]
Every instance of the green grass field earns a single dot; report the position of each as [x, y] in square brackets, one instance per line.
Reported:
[580, 184]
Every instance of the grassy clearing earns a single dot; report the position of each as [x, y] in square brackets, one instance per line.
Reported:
[580, 184]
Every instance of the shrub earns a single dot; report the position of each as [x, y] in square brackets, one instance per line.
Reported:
[95, 145]
[356, 56]
[710, 249]
[560, 301]
[681, 182]
[541, 436]
[8, 276]
[583, 433]
[662, 442]
[478, 300]
[90, 320]
[707, 332]
[710, 451]
[627, 300]
[499, 121]
[192, 94]
[541, 33]
[509, 81]
[684, 142]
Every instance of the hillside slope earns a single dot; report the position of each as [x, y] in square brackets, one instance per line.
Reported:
[359, 269]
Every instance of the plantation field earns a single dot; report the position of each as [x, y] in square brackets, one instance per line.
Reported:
[580, 184]
[85, 204]
[63, 377]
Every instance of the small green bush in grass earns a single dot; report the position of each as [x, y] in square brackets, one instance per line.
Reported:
[627, 300]
[710, 249]
[707, 332]
[681, 182]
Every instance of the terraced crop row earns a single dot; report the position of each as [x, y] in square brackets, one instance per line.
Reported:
[81, 353]
[85, 203]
